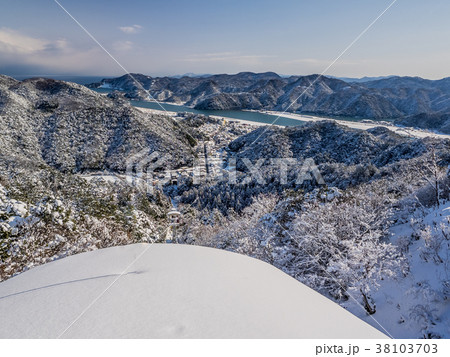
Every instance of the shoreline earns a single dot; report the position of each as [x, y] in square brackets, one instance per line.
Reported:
[228, 119]
[411, 132]
[360, 125]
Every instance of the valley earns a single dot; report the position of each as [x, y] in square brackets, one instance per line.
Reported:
[347, 212]
[262, 177]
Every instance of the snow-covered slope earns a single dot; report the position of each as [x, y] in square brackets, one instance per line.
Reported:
[418, 305]
[165, 291]
[73, 129]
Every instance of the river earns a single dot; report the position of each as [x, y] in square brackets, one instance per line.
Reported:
[247, 115]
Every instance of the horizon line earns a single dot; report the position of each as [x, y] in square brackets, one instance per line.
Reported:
[191, 74]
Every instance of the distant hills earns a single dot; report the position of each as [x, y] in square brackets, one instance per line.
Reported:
[409, 100]
[190, 74]
[360, 80]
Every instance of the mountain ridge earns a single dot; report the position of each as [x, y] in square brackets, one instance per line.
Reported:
[72, 128]
[393, 97]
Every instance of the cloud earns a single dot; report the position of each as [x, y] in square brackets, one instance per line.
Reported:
[131, 29]
[122, 46]
[12, 41]
[23, 54]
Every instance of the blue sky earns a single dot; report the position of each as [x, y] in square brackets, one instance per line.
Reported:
[175, 37]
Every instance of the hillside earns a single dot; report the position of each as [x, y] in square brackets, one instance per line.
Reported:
[345, 157]
[436, 122]
[392, 97]
[53, 132]
[72, 128]
[328, 142]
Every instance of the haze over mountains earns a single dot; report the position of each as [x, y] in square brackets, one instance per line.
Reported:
[411, 100]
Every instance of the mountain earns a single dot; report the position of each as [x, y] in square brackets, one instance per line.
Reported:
[72, 128]
[360, 80]
[190, 74]
[438, 122]
[415, 95]
[63, 148]
[391, 97]
[345, 157]
[380, 213]
[327, 142]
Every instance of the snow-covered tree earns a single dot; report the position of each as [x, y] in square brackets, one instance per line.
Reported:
[434, 174]
[341, 246]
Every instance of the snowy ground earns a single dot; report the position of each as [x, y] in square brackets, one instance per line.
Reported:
[157, 111]
[416, 303]
[112, 178]
[365, 125]
[179, 291]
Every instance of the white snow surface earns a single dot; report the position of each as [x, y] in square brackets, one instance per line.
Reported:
[168, 291]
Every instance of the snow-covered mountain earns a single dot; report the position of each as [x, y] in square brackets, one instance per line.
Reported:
[72, 128]
[391, 97]
[51, 133]
[63, 192]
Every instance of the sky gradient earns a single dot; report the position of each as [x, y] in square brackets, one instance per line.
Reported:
[169, 37]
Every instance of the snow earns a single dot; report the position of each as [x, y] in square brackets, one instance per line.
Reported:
[364, 125]
[415, 303]
[169, 291]
[112, 178]
[157, 111]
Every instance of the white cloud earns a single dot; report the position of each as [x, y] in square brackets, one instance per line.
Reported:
[131, 29]
[21, 53]
[123, 45]
[12, 41]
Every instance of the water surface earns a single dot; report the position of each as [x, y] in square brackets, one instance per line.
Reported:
[233, 114]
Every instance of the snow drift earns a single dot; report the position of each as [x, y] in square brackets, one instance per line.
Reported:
[168, 291]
